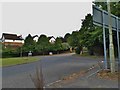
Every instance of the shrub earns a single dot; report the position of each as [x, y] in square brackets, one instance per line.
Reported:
[9, 52]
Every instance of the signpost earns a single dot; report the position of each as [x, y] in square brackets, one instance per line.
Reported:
[101, 18]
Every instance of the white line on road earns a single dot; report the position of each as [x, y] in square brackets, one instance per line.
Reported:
[92, 74]
[53, 83]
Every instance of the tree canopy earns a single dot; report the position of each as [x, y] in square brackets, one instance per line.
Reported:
[115, 7]
[29, 44]
[43, 43]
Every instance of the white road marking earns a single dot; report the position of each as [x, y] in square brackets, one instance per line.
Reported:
[53, 83]
[92, 74]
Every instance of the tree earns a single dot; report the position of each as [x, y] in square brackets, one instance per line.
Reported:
[58, 44]
[91, 36]
[65, 46]
[29, 44]
[85, 30]
[43, 44]
[115, 7]
[73, 39]
[67, 35]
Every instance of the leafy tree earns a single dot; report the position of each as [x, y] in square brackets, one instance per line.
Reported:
[67, 35]
[62, 39]
[58, 44]
[91, 36]
[115, 7]
[29, 44]
[43, 43]
[28, 40]
[86, 29]
[65, 46]
[73, 39]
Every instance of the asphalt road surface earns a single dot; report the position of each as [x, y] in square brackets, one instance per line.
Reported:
[53, 67]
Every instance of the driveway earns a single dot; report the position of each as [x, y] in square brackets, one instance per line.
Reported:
[54, 68]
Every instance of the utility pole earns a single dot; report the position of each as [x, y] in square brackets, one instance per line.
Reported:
[111, 46]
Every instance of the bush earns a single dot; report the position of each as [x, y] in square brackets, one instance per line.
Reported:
[65, 46]
[9, 52]
[6, 54]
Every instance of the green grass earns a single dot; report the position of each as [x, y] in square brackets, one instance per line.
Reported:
[16, 61]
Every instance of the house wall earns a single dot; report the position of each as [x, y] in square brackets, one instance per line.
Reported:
[35, 39]
[19, 41]
[13, 44]
[52, 40]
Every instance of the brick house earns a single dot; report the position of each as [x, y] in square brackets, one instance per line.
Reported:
[12, 40]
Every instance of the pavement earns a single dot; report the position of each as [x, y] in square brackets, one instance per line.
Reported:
[54, 68]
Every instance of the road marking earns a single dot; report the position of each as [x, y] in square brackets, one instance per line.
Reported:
[53, 83]
[92, 74]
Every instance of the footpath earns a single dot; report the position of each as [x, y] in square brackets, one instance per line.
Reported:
[86, 79]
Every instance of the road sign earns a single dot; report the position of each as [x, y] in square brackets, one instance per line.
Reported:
[98, 18]
[101, 18]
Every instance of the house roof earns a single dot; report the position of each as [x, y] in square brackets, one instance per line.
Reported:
[35, 36]
[12, 36]
[51, 37]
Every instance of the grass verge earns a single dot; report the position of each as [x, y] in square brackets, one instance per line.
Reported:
[16, 61]
[106, 74]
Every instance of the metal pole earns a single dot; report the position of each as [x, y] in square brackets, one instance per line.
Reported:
[104, 42]
[118, 42]
[21, 52]
[111, 46]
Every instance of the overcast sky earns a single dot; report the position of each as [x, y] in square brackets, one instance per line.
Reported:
[49, 18]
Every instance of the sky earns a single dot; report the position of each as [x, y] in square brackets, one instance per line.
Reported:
[49, 18]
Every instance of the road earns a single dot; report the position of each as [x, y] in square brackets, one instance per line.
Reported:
[54, 68]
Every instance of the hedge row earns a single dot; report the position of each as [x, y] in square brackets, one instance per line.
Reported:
[17, 54]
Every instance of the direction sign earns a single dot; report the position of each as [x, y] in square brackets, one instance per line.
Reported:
[100, 17]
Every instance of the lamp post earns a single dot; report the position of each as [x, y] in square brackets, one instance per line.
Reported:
[111, 46]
